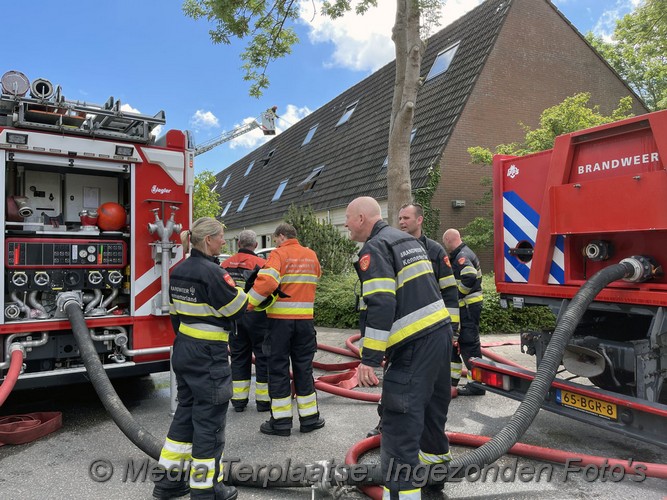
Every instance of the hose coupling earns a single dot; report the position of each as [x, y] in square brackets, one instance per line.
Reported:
[65, 298]
[643, 268]
[16, 346]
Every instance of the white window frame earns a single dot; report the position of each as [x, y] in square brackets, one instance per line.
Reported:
[348, 113]
[450, 53]
[280, 190]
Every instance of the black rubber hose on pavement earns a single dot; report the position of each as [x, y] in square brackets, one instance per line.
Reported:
[532, 402]
[144, 440]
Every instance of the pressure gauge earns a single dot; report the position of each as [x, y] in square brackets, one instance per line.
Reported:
[82, 253]
[91, 258]
[91, 249]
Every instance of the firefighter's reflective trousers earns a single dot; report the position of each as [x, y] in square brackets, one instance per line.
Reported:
[295, 340]
[469, 342]
[197, 431]
[248, 339]
[415, 399]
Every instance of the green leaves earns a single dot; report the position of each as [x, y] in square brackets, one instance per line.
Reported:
[333, 249]
[638, 51]
[205, 200]
[264, 23]
[573, 114]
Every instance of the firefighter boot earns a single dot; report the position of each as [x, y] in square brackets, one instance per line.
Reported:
[469, 390]
[224, 492]
[167, 488]
[269, 428]
[318, 424]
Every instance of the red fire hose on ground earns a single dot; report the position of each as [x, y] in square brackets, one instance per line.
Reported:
[20, 429]
[342, 385]
[15, 365]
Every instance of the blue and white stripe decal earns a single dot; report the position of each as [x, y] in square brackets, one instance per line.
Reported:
[520, 223]
[557, 271]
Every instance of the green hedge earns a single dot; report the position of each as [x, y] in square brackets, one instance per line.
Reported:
[334, 307]
[497, 320]
[334, 301]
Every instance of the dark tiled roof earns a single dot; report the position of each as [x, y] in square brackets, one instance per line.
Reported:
[353, 153]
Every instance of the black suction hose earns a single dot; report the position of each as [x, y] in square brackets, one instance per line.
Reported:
[143, 439]
[532, 402]
[484, 455]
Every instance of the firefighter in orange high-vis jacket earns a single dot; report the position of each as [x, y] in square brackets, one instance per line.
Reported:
[285, 287]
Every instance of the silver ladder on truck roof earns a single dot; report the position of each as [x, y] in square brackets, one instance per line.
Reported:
[58, 114]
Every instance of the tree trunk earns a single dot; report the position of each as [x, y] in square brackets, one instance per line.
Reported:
[409, 52]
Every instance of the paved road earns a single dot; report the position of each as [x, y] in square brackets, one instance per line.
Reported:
[57, 466]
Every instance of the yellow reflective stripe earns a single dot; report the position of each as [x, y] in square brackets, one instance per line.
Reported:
[240, 389]
[262, 391]
[291, 308]
[375, 345]
[194, 309]
[255, 298]
[375, 285]
[268, 271]
[376, 334]
[431, 458]
[300, 278]
[468, 270]
[447, 281]
[175, 454]
[417, 321]
[201, 473]
[413, 271]
[282, 407]
[172, 308]
[307, 405]
[454, 314]
[386, 494]
[235, 304]
[462, 288]
[197, 332]
[202, 309]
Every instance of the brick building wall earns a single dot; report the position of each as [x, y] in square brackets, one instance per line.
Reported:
[538, 60]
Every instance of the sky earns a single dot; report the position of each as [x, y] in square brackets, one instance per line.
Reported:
[151, 57]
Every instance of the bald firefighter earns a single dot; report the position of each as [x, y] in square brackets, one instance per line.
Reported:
[404, 318]
[468, 273]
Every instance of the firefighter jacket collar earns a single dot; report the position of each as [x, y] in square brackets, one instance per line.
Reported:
[291, 241]
[245, 250]
[199, 254]
[379, 226]
[456, 251]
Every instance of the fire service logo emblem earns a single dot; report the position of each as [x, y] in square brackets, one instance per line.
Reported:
[512, 172]
[365, 262]
[230, 281]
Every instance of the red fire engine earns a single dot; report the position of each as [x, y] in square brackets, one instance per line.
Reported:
[561, 216]
[94, 207]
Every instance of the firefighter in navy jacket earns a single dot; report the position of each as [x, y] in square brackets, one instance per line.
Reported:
[468, 274]
[251, 330]
[204, 302]
[404, 318]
